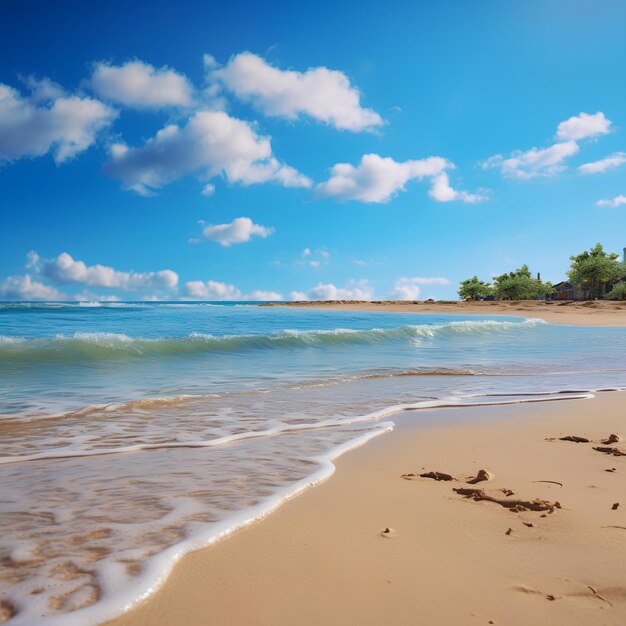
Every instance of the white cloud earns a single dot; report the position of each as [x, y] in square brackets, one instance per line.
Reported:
[240, 230]
[48, 121]
[408, 288]
[141, 85]
[597, 167]
[442, 191]
[211, 143]
[258, 296]
[323, 94]
[550, 161]
[32, 260]
[583, 126]
[25, 288]
[615, 202]
[215, 290]
[354, 290]
[211, 290]
[64, 269]
[208, 190]
[534, 162]
[314, 258]
[43, 89]
[376, 178]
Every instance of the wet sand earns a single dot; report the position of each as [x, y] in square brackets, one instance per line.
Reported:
[590, 313]
[379, 544]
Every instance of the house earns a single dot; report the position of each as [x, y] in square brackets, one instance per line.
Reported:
[566, 291]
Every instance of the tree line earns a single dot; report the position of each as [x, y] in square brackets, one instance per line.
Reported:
[597, 274]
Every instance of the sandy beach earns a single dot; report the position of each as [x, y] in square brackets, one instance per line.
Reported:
[587, 313]
[377, 543]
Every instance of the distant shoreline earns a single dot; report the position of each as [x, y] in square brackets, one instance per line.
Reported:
[573, 313]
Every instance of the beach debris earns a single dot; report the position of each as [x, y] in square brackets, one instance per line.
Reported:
[612, 438]
[437, 476]
[550, 597]
[574, 438]
[7, 611]
[611, 451]
[480, 477]
[516, 506]
[551, 482]
[619, 527]
[388, 532]
[597, 595]
[509, 531]
[612, 469]
[615, 506]
[529, 524]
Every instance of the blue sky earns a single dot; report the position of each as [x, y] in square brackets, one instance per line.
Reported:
[262, 150]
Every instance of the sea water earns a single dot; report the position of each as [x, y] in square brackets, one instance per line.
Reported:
[132, 433]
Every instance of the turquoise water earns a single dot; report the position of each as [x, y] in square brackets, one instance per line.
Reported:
[133, 433]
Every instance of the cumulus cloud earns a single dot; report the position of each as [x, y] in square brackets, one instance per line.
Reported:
[48, 121]
[408, 288]
[215, 290]
[354, 290]
[550, 161]
[240, 230]
[64, 270]
[534, 162]
[376, 178]
[259, 295]
[441, 191]
[141, 85]
[26, 288]
[323, 94]
[583, 126]
[608, 163]
[614, 202]
[43, 89]
[209, 144]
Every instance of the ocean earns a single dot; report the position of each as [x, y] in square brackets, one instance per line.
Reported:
[133, 433]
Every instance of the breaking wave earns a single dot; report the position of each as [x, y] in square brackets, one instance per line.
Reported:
[100, 345]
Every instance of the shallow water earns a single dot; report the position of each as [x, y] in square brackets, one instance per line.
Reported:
[132, 433]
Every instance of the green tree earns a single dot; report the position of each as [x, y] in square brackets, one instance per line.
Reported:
[520, 285]
[596, 271]
[618, 292]
[474, 288]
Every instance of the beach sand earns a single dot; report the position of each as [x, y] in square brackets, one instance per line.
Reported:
[588, 313]
[324, 558]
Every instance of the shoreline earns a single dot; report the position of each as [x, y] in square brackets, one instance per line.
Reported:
[327, 541]
[571, 313]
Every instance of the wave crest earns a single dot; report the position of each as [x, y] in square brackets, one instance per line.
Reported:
[104, 345]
